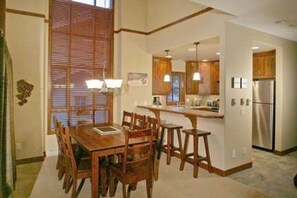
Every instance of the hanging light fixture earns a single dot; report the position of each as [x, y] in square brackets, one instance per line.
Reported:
[196, 75]
[167, 76]
[105, 85]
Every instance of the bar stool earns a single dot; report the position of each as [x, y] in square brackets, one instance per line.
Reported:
[197, 158]
[170, 148]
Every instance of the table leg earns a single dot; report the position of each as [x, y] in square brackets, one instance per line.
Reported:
[95, 175]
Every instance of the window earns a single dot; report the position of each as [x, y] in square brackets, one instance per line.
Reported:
[81, 40]
[177, 93]
[98, 3]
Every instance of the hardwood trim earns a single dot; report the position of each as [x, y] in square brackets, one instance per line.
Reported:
[238, 168]
[46, 20]
[217, 171]
[167, 25]
[130, 30]
[285, 152]
[30, 160]
[25, 13]
[182, 19]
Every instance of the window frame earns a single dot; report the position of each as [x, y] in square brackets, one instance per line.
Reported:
[182, 92]
[106, 110]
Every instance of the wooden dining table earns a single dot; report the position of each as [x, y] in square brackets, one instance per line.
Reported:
[98, 146]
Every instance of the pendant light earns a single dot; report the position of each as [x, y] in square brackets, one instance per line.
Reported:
[167, 76]
[196, 75]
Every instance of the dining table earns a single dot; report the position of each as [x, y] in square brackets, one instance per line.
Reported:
[98, 146]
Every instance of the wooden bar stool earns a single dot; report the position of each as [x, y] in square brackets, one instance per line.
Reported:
[169, 147]
[197, 158]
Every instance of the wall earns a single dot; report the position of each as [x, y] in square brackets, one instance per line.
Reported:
[131, 56]
[25, 39]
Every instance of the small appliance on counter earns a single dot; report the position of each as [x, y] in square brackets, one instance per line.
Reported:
[156, 101]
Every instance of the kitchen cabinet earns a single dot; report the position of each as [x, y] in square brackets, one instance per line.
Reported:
[192, 86]
[209, 84]
[264, 65]
[161, 66]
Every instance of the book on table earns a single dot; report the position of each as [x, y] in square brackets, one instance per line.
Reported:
[106, 130]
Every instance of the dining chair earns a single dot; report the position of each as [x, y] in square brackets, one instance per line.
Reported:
[127, 119]
[138, 121]
[74, 171]
[154, 124]
[136, 164]
[60, 161]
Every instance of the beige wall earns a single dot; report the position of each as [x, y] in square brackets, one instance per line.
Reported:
[25, 39]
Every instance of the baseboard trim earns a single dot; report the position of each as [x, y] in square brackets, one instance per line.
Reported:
[30, 160]
[217, 171]
[285, 152]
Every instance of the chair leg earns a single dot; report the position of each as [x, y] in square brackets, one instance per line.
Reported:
[169, 144]
[179, 141]
[73, 194]
[184, 153]
[149, 188]
[80, 186]
[207, 154]
[111, 185]
[160, 144]
[124, 191]
[196, 162]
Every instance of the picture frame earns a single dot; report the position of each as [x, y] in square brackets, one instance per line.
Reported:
[137, 79]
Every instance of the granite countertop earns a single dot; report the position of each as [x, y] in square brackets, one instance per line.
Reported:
[196, 111]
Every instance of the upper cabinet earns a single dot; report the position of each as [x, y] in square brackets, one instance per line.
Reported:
[192, 87]
[161, 66]
[264, 65]
[209, 83]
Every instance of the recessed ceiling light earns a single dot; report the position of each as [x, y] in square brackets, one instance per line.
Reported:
[191, 49]
[255, 47]
[218, 53]
[204, 60]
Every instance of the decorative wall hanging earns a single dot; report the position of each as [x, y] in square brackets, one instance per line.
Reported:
[24, 88]
[137, 79]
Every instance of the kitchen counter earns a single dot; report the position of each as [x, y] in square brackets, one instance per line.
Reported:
[190, 112]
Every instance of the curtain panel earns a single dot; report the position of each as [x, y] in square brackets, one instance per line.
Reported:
[7, 138]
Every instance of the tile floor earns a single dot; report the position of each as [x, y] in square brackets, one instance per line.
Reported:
[271, 176]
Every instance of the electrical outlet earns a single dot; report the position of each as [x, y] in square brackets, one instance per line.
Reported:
[233, 155]
[18, 146]
[244, 150]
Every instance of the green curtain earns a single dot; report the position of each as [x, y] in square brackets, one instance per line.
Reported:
[7, 139]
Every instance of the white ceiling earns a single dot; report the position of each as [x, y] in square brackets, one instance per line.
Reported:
[277, 17]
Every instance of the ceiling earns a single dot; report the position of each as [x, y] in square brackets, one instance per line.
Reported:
[277, 17]
[271, 16]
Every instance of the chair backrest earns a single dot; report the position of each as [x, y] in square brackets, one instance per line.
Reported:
[138, 121]
[154, 124]
[127, 120]
[138, 150]
[67, 147]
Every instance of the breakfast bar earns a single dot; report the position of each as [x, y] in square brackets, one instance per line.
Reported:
[190, 112]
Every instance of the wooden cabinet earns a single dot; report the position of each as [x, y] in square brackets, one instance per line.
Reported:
[215, 78]
[192, 86]
[209, 84]
[161, 66]
[264, 65]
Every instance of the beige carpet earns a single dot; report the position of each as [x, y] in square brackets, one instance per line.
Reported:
[172, 183]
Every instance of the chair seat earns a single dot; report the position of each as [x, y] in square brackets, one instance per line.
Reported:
[196, 132]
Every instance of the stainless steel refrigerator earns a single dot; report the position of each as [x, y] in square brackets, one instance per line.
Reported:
[263, 114]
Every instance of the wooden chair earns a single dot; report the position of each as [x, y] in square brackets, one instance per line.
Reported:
[73, 171]
[154, 124]
[127, 120]
[138, 121]
[137, 162]
[60, 166]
